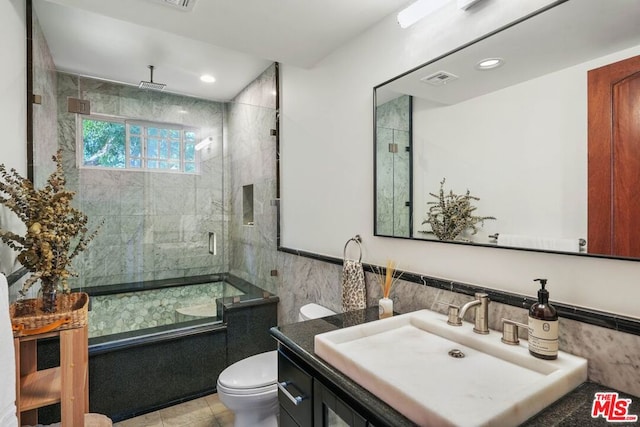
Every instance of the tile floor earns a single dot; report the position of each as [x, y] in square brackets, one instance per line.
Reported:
[206, 411]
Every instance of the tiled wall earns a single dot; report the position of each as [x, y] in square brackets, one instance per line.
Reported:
[156, 224]
[614, 357]
[45, 134]
[252, 158]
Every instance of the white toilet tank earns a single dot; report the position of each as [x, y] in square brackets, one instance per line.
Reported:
[313, 311]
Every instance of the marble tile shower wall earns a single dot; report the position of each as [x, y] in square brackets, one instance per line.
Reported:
[156, 224]
[250, 118]
[614, 357]
[45, 129]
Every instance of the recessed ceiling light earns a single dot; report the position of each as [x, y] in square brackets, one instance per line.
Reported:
[489, 63]
[207, 78]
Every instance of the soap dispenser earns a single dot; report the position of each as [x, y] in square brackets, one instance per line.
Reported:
[543, 326]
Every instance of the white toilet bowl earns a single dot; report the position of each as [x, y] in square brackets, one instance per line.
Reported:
[249, 387]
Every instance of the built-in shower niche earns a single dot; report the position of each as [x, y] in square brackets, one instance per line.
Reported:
[247, 204]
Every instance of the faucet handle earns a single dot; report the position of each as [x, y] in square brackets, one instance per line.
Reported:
[510, 331]
[453, 313]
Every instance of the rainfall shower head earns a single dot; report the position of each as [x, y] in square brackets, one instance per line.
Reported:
[151, 85]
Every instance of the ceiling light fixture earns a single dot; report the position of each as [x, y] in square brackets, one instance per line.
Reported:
[466, 4]
[489, 63]
[418, 10]
[207, 78]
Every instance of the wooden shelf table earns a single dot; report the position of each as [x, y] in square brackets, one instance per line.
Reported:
[67, 384]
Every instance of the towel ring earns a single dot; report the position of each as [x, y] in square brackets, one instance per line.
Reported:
[356, 239]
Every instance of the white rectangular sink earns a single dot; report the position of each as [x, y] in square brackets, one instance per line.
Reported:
[404, 361]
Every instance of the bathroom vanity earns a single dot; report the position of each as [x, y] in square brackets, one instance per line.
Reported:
[313, 392]
[325, 393]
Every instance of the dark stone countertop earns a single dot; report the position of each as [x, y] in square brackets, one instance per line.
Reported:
[574, 409]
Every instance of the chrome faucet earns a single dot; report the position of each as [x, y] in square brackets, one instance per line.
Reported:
[481, 304]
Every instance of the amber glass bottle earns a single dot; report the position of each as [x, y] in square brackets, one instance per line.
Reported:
[543, 326]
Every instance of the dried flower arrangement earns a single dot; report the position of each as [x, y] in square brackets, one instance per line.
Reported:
[56, 232]
[387, 279]
[453, 214]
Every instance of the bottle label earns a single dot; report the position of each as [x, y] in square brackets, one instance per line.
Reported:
[543, 336]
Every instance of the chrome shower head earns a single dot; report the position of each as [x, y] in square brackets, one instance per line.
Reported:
[151, 85]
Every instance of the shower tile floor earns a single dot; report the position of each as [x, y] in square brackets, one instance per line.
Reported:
[206, 411]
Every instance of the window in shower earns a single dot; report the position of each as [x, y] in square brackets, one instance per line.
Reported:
[127, 144]
[104, 143]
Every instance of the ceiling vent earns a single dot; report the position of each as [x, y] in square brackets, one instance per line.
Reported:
[440, 78]
[184, 5]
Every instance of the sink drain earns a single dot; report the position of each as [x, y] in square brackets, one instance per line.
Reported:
[458, 354]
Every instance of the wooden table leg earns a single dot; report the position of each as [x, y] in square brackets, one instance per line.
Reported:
[73, 363]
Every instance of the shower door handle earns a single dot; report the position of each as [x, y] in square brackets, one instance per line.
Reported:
[213, 243]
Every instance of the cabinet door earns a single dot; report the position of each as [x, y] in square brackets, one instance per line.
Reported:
[285, 420]
[330, 411]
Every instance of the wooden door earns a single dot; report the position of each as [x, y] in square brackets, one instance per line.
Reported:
[614, 159]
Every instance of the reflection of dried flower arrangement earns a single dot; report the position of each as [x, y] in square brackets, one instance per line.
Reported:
[387, 279]
[56, 232]
[452, 214]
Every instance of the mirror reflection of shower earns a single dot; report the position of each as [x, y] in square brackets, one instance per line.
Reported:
[393, 168]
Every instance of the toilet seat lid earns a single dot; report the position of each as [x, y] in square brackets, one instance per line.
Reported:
[314, 311]
[256, 371]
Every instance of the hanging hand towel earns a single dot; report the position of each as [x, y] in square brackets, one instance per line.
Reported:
[7, 361]
[353, 287]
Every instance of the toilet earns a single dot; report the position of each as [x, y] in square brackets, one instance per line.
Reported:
[249, 387]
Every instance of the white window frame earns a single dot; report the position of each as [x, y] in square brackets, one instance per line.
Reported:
[144, 158]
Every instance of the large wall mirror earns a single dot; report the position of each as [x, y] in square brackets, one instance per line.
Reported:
[513, 144]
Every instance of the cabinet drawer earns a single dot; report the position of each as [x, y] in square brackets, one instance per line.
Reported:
[298, 384]
[285, 419]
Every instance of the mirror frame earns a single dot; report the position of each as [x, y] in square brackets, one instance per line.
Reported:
[446, 54]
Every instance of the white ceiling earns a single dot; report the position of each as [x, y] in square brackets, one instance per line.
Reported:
[597, 28]
[234, 40]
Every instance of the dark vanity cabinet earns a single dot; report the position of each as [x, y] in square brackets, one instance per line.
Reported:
[305, 401]
[331, 411]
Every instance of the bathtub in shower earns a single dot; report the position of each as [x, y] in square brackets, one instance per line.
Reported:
[201, 325]
[170, 302]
